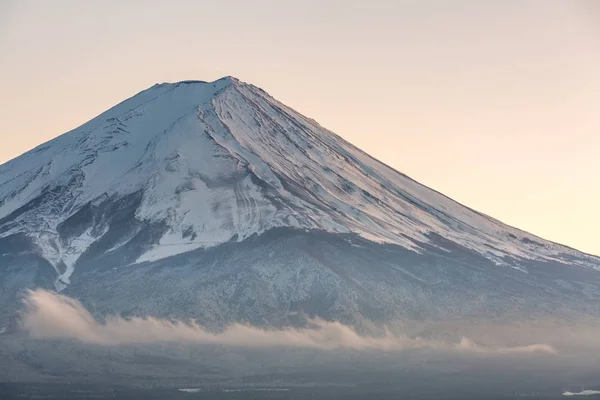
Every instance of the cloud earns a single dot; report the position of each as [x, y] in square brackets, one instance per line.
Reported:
[582, 393]
[467, 344]
[49, 315]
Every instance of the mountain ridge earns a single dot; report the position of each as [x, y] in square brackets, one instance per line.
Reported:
[180, 168]
[231, 79]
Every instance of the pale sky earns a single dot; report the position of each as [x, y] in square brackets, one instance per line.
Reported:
[494, 103]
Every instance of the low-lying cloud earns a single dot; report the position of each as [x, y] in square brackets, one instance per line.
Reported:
[582, 393]
[49, 315]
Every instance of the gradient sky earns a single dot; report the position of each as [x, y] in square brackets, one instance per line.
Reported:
[494, 103]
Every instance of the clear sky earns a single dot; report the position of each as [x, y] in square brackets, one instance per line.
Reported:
[494, 103]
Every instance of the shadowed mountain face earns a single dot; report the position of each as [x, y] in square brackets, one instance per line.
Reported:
[216, 202]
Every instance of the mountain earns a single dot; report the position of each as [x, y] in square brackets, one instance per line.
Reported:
[213, 200]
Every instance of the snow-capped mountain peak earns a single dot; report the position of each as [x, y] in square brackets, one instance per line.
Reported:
[194, 164]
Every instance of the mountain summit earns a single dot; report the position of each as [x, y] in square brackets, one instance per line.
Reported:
[215, 201]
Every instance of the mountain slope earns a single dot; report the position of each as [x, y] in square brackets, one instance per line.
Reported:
[180, 169]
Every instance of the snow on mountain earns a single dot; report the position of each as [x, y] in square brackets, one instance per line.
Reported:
[218, 162]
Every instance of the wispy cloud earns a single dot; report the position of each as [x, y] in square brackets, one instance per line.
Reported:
[49, 315]
[582, 393]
